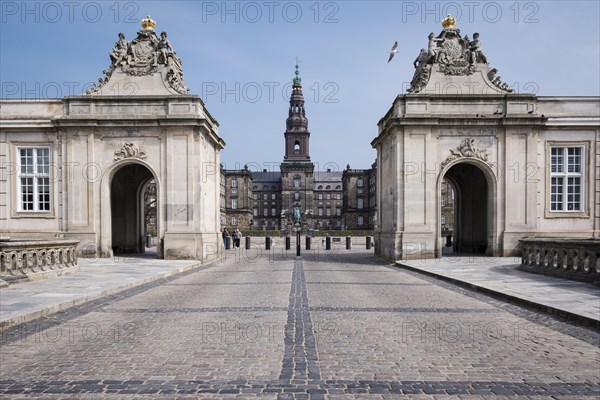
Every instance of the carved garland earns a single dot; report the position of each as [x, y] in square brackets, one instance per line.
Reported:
[129, 150]
[466, 149]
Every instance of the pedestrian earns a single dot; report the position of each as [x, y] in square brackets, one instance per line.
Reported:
[225, 237]
[238, 237]
[234, 238]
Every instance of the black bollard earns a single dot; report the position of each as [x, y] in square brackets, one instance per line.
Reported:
[247, 242]
[449, 241]
[348, 242]
[268, 243]
[368, 242]
[288, 242]
[308, 243]
[298, 244]
[227, 242]
[328, 243]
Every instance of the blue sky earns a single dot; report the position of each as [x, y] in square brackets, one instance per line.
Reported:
[239, 57]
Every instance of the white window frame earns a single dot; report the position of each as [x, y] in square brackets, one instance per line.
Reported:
[360, 203]
[35, 175]
[564, 174]
[234, 221]
[234, 204]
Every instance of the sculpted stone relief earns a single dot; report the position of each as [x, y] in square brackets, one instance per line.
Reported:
[466, 148]
[129, 150]
[142, 56]
[453, 54]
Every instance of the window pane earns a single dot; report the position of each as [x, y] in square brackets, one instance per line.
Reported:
[556, 194]
[574, 159]
[26, 161]
[43, 161]
[574, 194]
[556, 159]
[43, 194]
[27, 194]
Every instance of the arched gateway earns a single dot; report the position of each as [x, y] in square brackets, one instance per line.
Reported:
[137, 124]
[521, 165]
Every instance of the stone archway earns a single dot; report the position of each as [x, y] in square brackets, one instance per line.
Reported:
[473, 214]
[127, 208]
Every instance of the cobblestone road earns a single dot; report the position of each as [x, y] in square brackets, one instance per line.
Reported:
[328, 325]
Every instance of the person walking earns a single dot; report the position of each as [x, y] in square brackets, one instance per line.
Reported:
[225, 238]
[238, 237]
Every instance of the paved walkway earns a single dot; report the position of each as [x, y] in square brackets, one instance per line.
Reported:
[501, 277]
[97, 278]
[330, 325]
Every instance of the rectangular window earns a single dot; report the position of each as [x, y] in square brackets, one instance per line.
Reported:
[566, 179]
[320, 196]
[360, 202]
[320, 211]
[255, 212]
[34, 179]
[338, 211]
[234, 183]
[234, 191]
[328, 196]
[265, 212]
[265, 196]
[328, 211]
[255, 196]
[273, 212]
[443, 219]
[443, 200]
[360, 183]
[233, 221]
[273, 196]
[359, 221]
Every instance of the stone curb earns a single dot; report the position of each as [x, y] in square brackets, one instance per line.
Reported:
[20, 319]
[573, 317]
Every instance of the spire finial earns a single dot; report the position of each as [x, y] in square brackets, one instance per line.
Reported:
[297, 79]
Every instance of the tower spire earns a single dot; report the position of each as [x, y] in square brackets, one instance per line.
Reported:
[297, 79]
[297, 125]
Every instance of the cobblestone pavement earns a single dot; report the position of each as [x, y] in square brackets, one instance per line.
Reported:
[328, 325]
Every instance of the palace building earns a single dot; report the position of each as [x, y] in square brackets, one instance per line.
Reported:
[327, 200]
[518, 165]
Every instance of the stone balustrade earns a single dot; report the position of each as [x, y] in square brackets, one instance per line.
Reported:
[577, 259]
[36, 259]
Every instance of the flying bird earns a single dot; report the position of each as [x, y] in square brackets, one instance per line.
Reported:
[393, 51]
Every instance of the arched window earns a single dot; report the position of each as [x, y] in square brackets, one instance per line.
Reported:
[297, 147]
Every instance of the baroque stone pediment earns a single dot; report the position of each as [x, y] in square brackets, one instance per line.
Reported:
[466, 149]
[145, 56]
[450, 54]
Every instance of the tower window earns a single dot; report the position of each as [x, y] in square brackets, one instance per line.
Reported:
[297, 147]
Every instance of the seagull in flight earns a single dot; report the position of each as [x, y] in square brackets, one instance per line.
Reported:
[393, 51]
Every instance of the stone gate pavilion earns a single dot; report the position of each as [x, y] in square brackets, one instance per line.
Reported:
[76, 167]
[520, 165]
